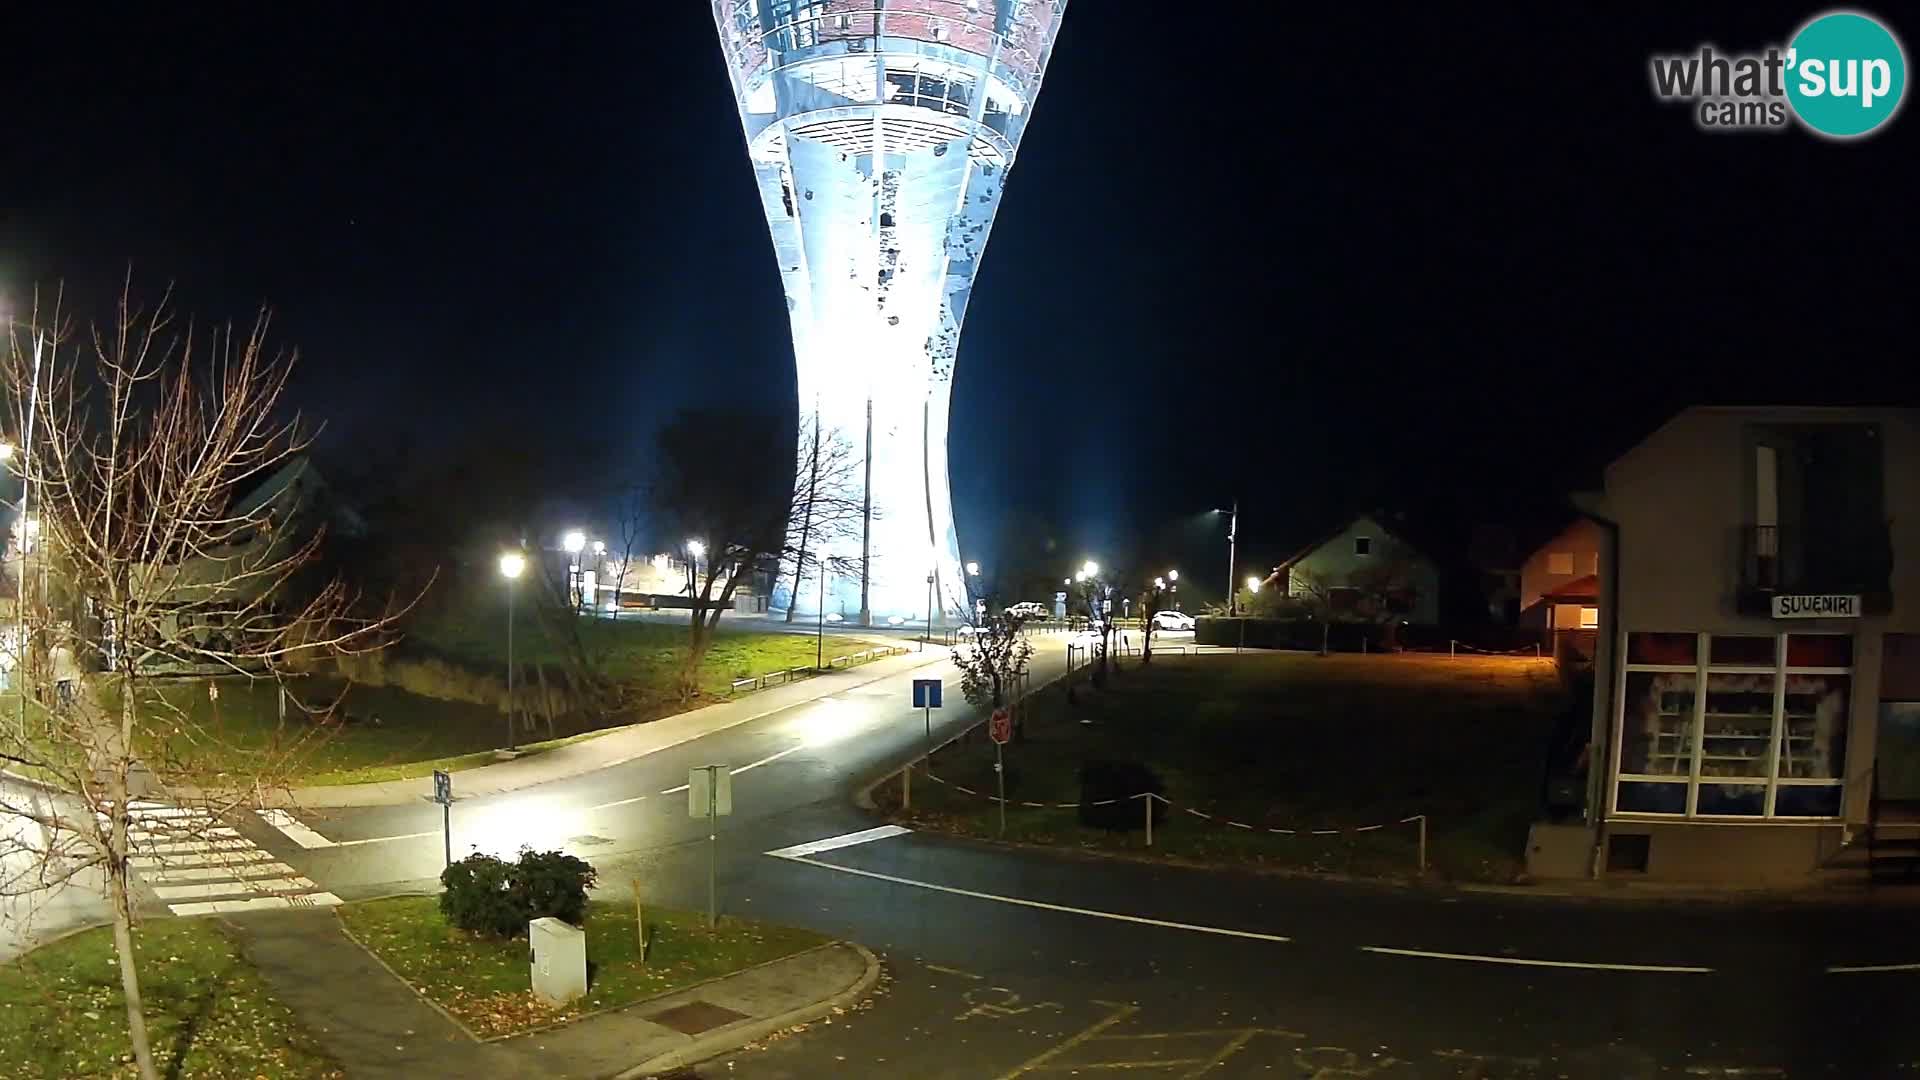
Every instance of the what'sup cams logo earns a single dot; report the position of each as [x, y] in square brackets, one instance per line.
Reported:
[1842, 76]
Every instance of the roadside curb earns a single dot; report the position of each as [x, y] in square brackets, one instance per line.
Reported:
[732, 1038]
[411, 989]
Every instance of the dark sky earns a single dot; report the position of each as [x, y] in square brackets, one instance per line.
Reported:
[1312, 256]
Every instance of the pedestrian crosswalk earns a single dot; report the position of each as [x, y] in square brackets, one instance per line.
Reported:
[199, 866]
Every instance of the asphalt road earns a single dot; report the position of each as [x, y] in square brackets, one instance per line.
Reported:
[1012, 963]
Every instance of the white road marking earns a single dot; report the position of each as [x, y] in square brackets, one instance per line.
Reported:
[769, 759]
[257, 903]
[1018, 901]
[172, 875]
[864, 836]
[143, 835]
[203, 890]
[1863, 969]
[1671, 969]
[619, 802]
[229, 857]
[384, 839]
[294, 829]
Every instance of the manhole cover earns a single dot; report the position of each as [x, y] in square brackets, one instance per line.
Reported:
[695, 1017]
[589, 841]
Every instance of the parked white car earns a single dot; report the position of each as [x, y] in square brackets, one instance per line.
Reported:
[1028, 609]
[1172, 620]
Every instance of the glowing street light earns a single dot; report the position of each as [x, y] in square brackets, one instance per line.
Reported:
[696, 549]
[599, 547]
[512, 564]
[573, 541]
[1253, 583]
[1159, 583]
[973, 569]
[1090, 568]
[1173, 575]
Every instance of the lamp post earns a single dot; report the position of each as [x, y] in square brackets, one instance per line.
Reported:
[1233, 534]
[511, 565]
[820, 616]
[1173, 586]
[573, 543]
[973, 589]
[695, 549]
[599, 565]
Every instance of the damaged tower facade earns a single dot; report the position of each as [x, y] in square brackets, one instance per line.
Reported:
[881, 133]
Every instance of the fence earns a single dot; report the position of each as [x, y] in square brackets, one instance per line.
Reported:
[1419, 821]
[781, 678]
[1084, 655]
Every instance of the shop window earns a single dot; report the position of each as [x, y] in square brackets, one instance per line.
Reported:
[1748, 732]
[1589, 618]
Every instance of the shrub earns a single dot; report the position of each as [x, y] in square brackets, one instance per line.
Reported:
[478, 895]
[498, 898]
[552, 884]
[1118, 781]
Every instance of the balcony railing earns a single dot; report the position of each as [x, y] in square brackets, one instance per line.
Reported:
[1832, 559]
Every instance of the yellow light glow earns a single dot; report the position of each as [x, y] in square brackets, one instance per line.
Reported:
[1253, 584]
[511, 564]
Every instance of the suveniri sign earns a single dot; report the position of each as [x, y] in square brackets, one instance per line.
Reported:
[1816, 607]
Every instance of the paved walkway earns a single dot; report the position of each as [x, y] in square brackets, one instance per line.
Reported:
[619, 745]
[379, 1028]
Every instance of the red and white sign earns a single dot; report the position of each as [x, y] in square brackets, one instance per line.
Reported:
[1000, 728]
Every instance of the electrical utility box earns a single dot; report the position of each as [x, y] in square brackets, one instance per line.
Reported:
[559, 960]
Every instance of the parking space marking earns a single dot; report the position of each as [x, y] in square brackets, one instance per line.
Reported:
[1120, 1012]
[1518, 961]
[1140, 920]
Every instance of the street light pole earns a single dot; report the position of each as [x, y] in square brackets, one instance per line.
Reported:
[819, 617]
[1233, 534]
[511, 564]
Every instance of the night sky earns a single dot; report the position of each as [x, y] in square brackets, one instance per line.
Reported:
[1315, 257]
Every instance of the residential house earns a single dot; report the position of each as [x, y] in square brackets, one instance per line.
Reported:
[1757, 705]
[1367, 572]
[1560, 590]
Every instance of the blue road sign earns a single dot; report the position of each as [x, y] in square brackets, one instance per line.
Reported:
[926, 693]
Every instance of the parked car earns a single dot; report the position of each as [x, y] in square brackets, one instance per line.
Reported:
[1028, 609]
[1172, 620]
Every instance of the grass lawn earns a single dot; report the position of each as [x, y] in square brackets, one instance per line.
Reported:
[484, 982]
[642, 651]
[208, 1014]
[1284, 740]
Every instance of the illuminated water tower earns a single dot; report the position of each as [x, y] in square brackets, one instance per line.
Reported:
[881, 133]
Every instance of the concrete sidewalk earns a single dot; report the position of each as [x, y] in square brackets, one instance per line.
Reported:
[378, 1028]
[618, 745]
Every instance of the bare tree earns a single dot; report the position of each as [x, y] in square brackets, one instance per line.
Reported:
[826, 506]
[138, 555]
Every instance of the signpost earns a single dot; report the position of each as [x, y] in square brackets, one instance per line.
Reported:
[926, 697]
[710, 793]
[443, 794]
[1000, 729]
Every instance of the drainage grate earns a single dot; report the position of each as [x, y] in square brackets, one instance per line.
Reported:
[695, 1017]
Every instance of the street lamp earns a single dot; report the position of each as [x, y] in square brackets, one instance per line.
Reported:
[1253, 583]
[1233, 534]
[511, 565]
[1090, 568]
[1173, 576]
[695, 549]
[573, 541]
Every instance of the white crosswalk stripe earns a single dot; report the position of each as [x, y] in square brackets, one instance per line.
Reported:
[199, 866]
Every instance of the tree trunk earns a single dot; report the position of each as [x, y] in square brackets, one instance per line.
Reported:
[119, 894]
[806, 518]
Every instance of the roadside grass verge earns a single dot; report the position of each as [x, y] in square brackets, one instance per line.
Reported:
[484, 982]
[209, 1014]
[1279, 741]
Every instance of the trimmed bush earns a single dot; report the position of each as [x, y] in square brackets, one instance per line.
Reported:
[552, 884]
[497, 898]
[478, 895]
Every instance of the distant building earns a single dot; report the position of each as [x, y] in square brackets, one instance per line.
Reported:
[1757, 703]
[1560, 590]
[1367, 572]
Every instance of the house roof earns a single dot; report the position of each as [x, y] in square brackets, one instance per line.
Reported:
[1345, 524]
